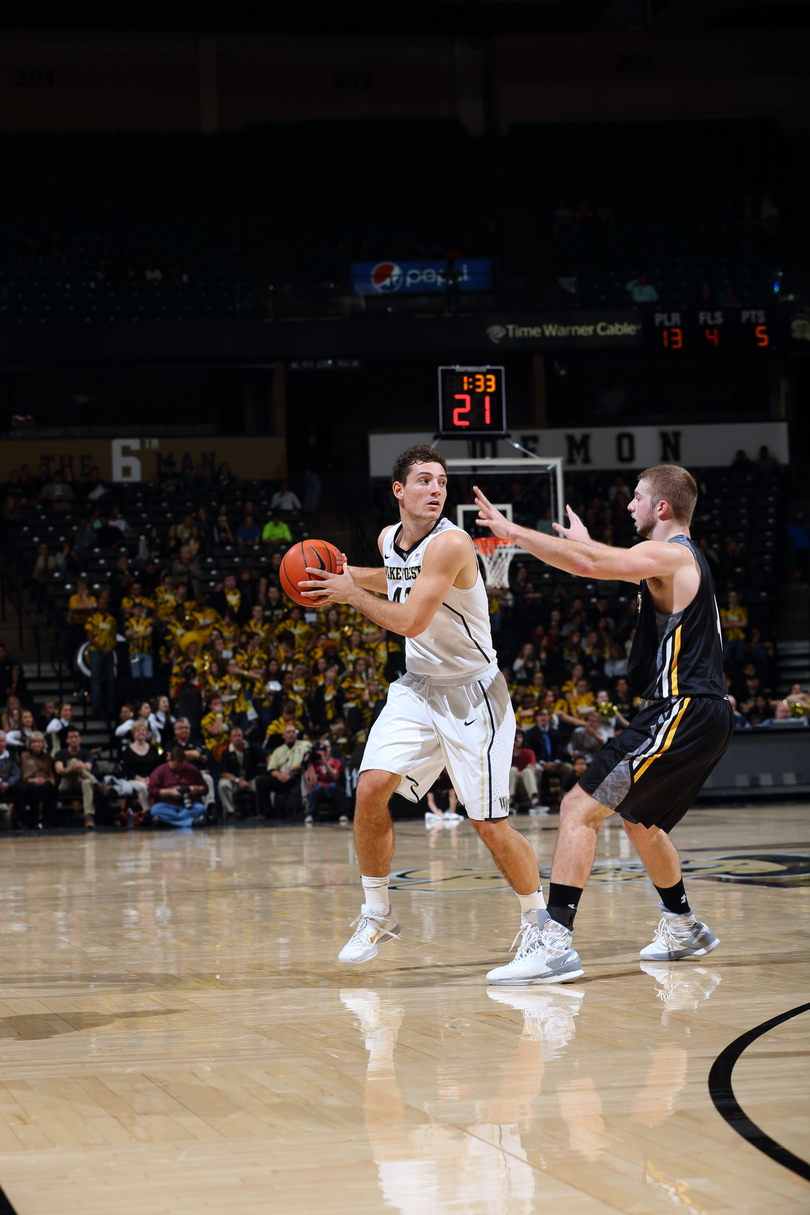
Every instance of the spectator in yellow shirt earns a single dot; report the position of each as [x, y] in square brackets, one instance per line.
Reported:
[300, 629]
[101, 633]
[165, 598]
[81, 604]
[136, 595]
[354, 650]
[734, 622]
[215, 726]
[206, 619]
[259, 626]
[138, 629]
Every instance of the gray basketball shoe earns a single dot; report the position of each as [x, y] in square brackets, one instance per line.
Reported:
[544, 955]
[678, 937]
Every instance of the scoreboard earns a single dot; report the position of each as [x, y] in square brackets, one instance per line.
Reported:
[734, 330]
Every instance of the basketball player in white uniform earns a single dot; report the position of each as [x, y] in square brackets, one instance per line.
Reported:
[451, 709]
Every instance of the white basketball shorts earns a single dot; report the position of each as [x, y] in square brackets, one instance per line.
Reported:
[467, 728]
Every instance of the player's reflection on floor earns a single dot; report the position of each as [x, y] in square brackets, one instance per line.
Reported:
[435, 1144]
[443, 1152]
[548, 1013]
[681, 987]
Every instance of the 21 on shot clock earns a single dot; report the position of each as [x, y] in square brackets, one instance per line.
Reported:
[472, 401]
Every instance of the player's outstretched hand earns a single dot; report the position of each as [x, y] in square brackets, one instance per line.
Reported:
[329, 588]
[489, 516]
[576, 529]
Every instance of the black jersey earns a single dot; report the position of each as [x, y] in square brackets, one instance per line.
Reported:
[680, 654]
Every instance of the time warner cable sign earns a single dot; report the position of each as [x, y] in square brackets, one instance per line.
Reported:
[419, 278]
[563, 330]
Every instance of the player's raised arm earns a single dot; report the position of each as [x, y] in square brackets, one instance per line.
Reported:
[444, 559]
[580, 554]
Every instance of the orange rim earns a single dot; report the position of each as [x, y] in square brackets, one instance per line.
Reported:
[488, 544]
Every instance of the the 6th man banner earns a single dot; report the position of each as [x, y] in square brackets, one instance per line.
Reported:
[144, 459]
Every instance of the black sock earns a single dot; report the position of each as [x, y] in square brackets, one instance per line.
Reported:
[674, 898]
[563, 902]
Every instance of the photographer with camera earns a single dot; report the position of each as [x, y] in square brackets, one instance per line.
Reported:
[324, 775]
[176, 790]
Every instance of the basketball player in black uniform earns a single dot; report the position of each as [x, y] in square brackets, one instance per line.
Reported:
[652, 771]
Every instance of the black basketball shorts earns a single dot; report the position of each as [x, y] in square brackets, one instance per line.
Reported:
[653, 771]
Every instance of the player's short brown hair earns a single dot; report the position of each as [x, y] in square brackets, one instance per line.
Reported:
[673, 484]
[418, 453]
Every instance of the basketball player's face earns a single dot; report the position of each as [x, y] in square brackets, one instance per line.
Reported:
[642, 509]
[424, 492]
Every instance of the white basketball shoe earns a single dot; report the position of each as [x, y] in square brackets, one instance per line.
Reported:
[374, 928]
[544, 955]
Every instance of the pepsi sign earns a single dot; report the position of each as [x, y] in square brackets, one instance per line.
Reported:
[418, 278]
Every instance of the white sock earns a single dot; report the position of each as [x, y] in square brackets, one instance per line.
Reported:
[531, 902]
[375, 890]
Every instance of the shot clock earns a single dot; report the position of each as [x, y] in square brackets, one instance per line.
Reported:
[472, 401]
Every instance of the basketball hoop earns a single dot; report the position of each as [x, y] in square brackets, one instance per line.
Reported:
[496, 555]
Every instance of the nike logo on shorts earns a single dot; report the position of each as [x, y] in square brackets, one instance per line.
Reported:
[470, 722]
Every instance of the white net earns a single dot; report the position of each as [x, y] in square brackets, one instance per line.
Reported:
[496, 557]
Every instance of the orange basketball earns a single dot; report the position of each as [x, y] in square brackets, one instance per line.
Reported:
[315, 554]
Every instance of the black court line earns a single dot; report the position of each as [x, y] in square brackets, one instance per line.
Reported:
[722, 1094]
[5, 1206]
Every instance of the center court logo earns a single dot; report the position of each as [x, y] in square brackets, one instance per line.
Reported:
[762, 869]
[386, 277]
[496, 332]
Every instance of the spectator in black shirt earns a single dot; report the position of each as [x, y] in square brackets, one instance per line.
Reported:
[107, 536]
[623, 699]
[74, 767]
[233, 598]
[240, 766]
[575, 773]
[138, 762]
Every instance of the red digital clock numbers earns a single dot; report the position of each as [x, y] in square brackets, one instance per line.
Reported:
[459, 418]
[731, 330]
[472, 401]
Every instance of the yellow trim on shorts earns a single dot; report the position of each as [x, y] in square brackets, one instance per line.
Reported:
[676, 649]
[667, 743]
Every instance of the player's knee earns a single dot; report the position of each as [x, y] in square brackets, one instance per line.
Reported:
[568, 807]
[374, 788]
[490, 830]
[579, 810]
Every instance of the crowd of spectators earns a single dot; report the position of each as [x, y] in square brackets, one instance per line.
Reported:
[269, 703]
[276, 700]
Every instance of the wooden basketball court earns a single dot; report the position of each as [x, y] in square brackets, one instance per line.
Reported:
[177, 1035]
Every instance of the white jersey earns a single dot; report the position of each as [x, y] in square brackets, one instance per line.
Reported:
[456, 647]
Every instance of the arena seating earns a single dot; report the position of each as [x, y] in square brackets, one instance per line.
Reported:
[674, 193]
[116, 205]
[394, 185]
